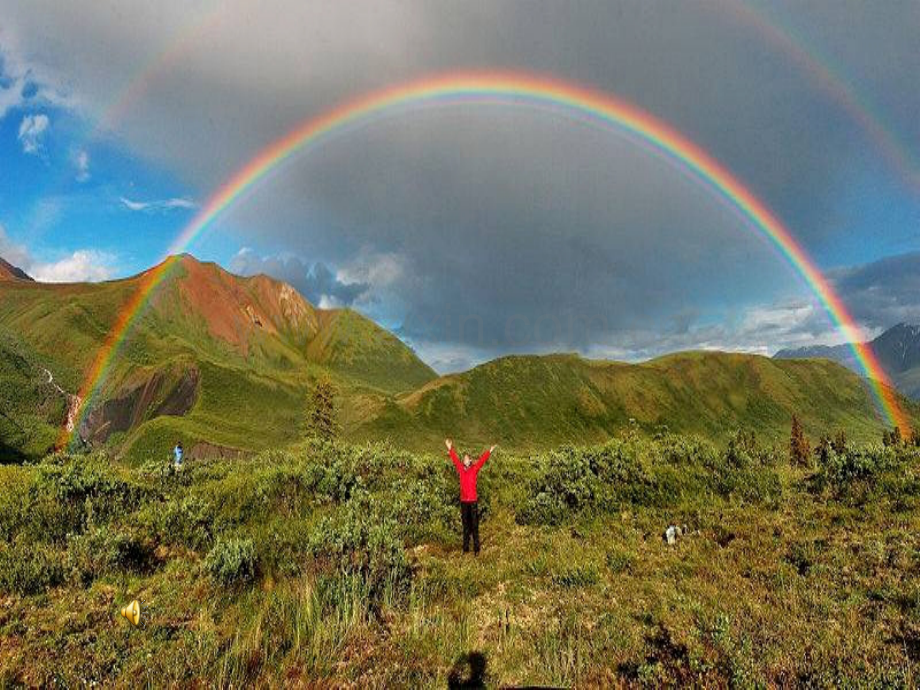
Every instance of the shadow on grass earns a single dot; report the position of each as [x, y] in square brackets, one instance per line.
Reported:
[10, 455]
[469, 671]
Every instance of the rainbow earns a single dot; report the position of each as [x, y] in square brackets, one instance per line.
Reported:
[518, 89]
[834, 86]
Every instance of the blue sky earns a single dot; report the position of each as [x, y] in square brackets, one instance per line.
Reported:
[492, 216]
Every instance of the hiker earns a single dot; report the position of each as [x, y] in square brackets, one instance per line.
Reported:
[469, 503]
[177, 454]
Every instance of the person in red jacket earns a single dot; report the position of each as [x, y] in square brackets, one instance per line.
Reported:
[469, 501]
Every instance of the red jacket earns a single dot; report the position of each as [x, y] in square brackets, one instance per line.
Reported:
[468, 476]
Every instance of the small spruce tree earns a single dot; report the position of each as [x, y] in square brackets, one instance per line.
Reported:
[840, 442]
[799, 449]
[892, 438]
[322, 420]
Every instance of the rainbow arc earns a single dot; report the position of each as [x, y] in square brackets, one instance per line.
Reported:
[521, 90]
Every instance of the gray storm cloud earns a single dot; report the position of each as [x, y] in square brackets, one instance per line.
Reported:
[514, 229]
[883, 292]
[317, 282]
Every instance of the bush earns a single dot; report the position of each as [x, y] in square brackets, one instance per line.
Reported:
[29, 568]
[843, 473]
[102, 550]
[363, 543]
[231, 561]
[856, 474]
[69, 492]
[187, 521]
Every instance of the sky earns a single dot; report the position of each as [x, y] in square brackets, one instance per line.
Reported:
[476, 230]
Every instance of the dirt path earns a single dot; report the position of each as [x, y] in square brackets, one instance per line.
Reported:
[73, 401]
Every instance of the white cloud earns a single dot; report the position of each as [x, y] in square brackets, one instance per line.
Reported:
[157, 205]
[82, 265]
[81, 162]
[25, 83]
[14, 253]
[31, 132]
[329, 302]
[447, 358]
[378, 270]
[11, 95]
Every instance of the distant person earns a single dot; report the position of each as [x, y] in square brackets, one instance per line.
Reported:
[177, 455]
[469, 501]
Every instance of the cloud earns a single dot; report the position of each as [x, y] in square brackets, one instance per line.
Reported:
[25, 83]
[882, 293]
[31, 131]
[158, 205]
[81, 163]
[81, 265]
[14, 253]
[78, 266]
[11, 94]
[318, 283]
[508, 228]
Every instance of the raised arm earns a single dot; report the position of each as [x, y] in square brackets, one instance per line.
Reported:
[453, 454]
[484, 457]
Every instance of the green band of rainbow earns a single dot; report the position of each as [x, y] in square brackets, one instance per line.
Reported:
[525, 89]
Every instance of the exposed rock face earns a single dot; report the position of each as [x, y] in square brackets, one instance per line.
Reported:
[157, 396]
[9, 272]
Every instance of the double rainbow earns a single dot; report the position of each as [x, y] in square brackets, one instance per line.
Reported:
[516, 89]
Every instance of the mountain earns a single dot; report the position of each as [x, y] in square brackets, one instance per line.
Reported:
[31, 409]
[9, 272]
[537, 401]
[213, 356]
[897, 350]
[227, 364]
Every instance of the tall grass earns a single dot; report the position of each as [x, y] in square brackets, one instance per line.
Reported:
[340, 563]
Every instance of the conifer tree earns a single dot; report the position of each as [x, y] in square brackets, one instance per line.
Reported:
[322, 421]
[799, 449]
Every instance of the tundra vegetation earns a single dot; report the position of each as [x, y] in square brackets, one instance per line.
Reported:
[339, 563]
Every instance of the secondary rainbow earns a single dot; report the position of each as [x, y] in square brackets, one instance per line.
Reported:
[517, 89]
[831, 82]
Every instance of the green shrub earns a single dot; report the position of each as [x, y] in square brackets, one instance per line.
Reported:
[29, 568]
[188, 521]
[232, 560]
[362, 542]
[101, 550]
[68, 492]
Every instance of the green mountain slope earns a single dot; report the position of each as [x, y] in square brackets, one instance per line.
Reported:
[213, 356]
[532, 401]
[897, 350]
[227, 364]
[31, 408]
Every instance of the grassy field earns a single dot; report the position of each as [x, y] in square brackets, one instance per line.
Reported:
[336, 564]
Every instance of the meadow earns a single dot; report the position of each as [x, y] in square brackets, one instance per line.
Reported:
[333, 564]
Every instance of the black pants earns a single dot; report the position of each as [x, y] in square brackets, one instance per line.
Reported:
[470, 514]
